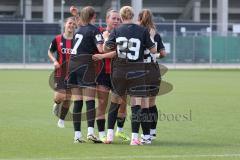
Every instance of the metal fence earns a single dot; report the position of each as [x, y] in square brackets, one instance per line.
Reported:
[28, 42]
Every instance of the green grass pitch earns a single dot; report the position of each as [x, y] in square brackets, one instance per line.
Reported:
[28, 129]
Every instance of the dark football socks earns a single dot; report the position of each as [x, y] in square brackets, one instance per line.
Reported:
[145, 121]
[120, 121]
[64, 110]
[101, 125]
[77, 113]
[112, 115]
[153, 116]
[91, 112]
[136, 111]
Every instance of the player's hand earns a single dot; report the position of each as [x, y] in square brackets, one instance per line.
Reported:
[74, 11]
[56, 65]
[161, 56]
[97, 57]
[157, 55]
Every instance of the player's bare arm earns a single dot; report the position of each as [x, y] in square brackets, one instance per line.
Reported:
[100, 48]
[107, 48]
[97, 57]
[153, 50]
[53, 59]
[106, 35]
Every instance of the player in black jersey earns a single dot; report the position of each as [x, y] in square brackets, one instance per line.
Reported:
[128, 71]
[87, 41]
[145, 19]
[62, 45]
[104, 85]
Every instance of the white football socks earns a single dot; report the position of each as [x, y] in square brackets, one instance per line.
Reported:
[90, 130]
[119, 129]
[134, 136]
[78, 135]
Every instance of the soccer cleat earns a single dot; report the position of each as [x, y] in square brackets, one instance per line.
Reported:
[123, 136]
[103, 139]
[60, 123]
[107, 142]
[153, 136]
[93, 138]
[109, 139]
[79, 140]
[56, 109]
[135, 142]
[146, 141]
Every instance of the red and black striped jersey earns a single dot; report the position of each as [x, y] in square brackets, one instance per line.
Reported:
[107, 61]
[63, 48]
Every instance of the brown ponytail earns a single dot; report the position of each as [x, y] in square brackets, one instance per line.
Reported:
[145, 19]
[86, 14]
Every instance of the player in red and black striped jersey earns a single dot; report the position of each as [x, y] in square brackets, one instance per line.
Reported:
[104, 85]
[59, 53]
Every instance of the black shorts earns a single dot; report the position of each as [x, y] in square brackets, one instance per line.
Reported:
[104, 79]
[60, 83]
[82, 72]
[153, 79]
[128, 78]
[135, 79]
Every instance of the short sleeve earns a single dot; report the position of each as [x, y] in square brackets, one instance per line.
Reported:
[148, 43]
[98, 37]
[111, 42]
[158, 39]
[53, 46]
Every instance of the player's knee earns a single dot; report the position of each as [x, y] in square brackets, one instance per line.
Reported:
[68, 95]
[116, 99]
[122, 114]
[77, 98]
[102, 103]
[89, 98]
[122, 109]
[58, 99]
[152, 102]
[100, 114]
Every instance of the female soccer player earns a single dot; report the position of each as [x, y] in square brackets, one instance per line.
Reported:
[87, 41]
[62, 45]
[104, 85]
[128, 71]
[145, 19]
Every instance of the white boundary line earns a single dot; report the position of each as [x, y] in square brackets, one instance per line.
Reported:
[189, 156]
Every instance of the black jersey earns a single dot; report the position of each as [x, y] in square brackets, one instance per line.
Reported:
[63, 48]
[131, 41]
[86, 39]
[149, 57]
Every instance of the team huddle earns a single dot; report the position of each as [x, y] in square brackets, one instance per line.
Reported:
[91, 62]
